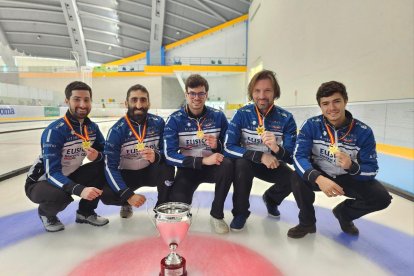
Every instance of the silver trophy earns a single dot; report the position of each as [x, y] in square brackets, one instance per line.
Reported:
[173, 219]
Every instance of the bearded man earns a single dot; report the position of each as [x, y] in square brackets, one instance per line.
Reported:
[133, 155]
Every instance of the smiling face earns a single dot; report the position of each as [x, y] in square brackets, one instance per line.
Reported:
[333, 108]
[263, 94]
[196, 98]
[80, 104]
[138, 105]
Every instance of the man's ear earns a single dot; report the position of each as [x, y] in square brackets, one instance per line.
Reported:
[66, 101]
[126, 104]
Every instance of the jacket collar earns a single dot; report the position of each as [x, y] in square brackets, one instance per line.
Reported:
[191, 115]
[348, 120]
[74, 121]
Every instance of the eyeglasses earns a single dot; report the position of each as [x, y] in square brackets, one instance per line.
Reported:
[193, 95]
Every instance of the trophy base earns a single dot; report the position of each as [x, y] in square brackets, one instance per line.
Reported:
[173, 269]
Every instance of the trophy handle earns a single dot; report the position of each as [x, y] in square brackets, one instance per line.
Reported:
[149, 206]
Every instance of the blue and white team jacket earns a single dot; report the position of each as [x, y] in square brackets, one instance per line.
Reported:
[242, 140]
[312, 150]
[182, 147]
[62, 153]
[121, 152]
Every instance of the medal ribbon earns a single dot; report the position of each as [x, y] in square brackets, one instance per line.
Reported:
[259, 115]
[332, 138]
[199, 125]
[85, 130]
[140, 138]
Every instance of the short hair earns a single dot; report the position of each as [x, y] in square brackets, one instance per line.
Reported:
[135, 88]
[76, 85]
[194, 81]
[329, 88]
[263, 75]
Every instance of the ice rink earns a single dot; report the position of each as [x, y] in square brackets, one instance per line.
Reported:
[132, 246]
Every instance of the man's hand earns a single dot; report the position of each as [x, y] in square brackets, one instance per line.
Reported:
[214, 159]
[210, 140]
[329, 187]
[269, 139]
[269, 161]
[90, 193]
[343, 160]
[148, 154]
[91, 154]
[136, 200]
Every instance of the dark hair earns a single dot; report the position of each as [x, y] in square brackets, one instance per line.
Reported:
[135, 88]
[194, 81]
[329, 88]
[262, 75]
[76, 85]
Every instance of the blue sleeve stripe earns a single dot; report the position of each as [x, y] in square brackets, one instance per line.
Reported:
[48, 136]
[169, 157]
[230, 151]
[296, 161]
[110, 174]
[369, 173]
[55, 181]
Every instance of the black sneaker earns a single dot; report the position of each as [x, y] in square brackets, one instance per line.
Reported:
[272, 209]
[52, 223]
[346, 225]
[126, 211]
[238, 222]
[299, 231]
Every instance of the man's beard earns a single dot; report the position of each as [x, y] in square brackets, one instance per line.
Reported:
[139, 118]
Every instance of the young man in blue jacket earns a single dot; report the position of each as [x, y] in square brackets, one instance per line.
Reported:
[133, 155]
[260, 138]
[58, 173]
[193, 138]
[336, 154]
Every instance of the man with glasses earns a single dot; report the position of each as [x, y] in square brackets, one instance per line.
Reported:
[261, 138]
[193, 138]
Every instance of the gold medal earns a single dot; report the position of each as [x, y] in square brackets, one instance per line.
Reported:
[140, 146]
[200, 134]
[140, 137]
[333, 149]
[86, 144]
[260, 130]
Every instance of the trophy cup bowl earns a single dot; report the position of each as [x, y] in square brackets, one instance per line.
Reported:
[172, 220]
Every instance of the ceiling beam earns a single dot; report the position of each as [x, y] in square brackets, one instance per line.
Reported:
[157, 29]
[112, 20]
[17, 21]
[178, 29]
[41, 45]
[113, 45]
[104, 54]
[70, 10]
[189, 20]
[31, 4]
[216, 14]
[115, 34]
[224, 7]
[175, 2]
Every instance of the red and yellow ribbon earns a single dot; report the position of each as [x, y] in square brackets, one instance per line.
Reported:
[85, 139]
[140, 137]
[261, 128]
[333, 147]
